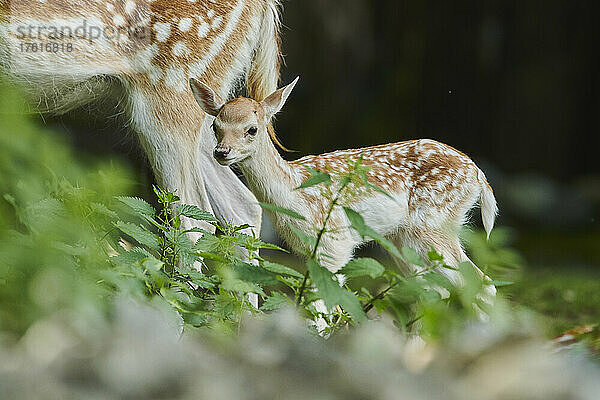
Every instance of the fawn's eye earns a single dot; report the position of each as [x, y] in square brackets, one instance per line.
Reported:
[252, 131]
[214, 128]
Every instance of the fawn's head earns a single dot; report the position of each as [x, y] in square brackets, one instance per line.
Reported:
[241, 124]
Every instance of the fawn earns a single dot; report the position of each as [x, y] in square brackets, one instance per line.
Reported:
[432, 186]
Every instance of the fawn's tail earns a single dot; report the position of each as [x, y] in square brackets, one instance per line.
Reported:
[489, 207]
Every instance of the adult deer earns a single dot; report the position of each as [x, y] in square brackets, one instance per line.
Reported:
[69, 52]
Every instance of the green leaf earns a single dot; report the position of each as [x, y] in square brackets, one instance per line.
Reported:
[469, 273]
[194, 212]
[358, 223]
[362, 173]
[281, 210]
[242, 287]
[133, 256]
[153, 264]
[381, 305]
[407, 293]
[138, 205]
[316, 178]
[269, 246]
[186, 252]
[435, 256]
[77, 250]
[275, 302]
[254, 274]
[331, 292]
[103, 210]
[378, 189]
[139, 233]
[252, 243]
[207, 243]
[501, 283]
[473, 282]
[411, 256]
[281, 269]
[196, 230]
[164, 196]
[240, 228]
[225, 305]
[200, 279]
[212, 257]
[363, 267]
[437, 279]
[293, 283]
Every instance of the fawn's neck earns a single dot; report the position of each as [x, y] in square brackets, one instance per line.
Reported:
[270, 177]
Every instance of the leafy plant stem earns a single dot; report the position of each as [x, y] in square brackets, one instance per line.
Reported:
[369, 305]
[322, 231]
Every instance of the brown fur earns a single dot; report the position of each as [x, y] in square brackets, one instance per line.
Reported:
[418, 165]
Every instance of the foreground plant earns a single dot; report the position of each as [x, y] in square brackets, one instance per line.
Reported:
[208, 282]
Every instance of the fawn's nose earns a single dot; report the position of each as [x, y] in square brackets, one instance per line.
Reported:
[222, 153]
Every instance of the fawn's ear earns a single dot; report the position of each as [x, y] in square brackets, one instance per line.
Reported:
[274, 103]
[208, 100]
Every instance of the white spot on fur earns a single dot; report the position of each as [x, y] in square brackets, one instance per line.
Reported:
[203, 30]
[185, 24]
[130, 7]
[176, 78]
[142, 62]
[198, 68]
[155, 73]
[180, 49]
[118, 20]
[217, 22]
[163, 31]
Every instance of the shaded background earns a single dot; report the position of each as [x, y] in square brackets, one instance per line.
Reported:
[513, 84]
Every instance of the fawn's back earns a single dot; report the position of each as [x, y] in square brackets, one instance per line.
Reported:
[427, 172]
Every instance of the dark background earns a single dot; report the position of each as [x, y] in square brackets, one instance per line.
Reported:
[514, 84]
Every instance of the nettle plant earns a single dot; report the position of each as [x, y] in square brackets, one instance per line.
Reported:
[166, 261]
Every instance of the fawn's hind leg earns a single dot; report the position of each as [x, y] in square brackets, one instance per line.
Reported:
[447, 244]
[398, 239]
[423, 240]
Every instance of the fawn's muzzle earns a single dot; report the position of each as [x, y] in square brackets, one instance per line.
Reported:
[221, 153]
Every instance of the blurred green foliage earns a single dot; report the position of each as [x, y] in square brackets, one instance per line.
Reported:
[51, 213]
[564, 300]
